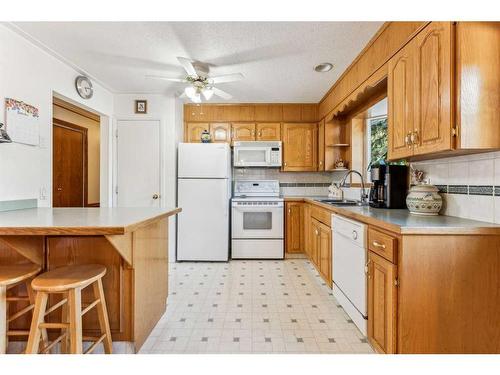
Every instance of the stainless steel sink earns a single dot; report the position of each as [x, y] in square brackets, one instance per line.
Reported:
[341, 202]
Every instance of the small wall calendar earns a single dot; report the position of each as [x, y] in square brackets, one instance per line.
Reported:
[22, 122]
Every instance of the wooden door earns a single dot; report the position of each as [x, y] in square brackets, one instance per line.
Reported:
[69, 165]
[382, 303]
[294, 224]
[325, 253]
[220, 132]
[300, 146]
[321, 145]
[433, 88]
[194, 130]
[243, 132]
[270, 131]
[400, 103]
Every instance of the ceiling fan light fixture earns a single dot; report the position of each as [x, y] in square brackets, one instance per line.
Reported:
[323, 67]
[208, 93]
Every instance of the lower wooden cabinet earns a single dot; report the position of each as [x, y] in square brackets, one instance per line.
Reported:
[320, 249]
[382, 303]
[294, 227]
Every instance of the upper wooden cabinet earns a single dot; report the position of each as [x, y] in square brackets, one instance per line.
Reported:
[420, 94]
[270, 131]
[433, 89]
[300, 146]
[300, 112]
[243, 132]
[321, 145]
[294, 224]
[401, 104]
[193, 130]
[220, 132]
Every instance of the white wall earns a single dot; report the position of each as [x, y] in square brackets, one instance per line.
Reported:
[30, 74]
[168, 111]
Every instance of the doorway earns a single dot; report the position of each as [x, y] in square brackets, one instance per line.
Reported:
[75, 158]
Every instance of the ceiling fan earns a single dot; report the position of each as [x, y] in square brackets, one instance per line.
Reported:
[200, 83]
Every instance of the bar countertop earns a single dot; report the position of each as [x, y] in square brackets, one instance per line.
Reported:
[79, 221]
[402, 221]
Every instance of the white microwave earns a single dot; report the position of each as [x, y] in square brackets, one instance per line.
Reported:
[257, 154]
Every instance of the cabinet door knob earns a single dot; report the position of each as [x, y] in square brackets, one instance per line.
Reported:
[354, 235]
[156, 196]
[316, 232]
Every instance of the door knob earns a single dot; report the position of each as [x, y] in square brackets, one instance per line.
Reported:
[156, 196]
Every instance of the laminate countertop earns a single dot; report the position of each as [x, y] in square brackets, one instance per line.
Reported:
[402, 221]
[79, 221]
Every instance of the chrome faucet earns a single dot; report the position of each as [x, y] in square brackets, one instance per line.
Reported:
[363, 196]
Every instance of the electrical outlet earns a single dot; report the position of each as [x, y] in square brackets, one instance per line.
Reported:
[43, 193]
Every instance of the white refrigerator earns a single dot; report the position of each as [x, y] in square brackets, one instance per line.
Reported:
[204, 194]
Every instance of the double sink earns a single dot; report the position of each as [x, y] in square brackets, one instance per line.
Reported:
[340, 202]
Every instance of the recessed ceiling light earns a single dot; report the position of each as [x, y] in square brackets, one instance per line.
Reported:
[323, 67]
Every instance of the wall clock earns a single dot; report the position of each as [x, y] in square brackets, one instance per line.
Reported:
[84, 87]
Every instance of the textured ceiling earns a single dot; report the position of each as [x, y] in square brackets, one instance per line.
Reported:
[276, 58]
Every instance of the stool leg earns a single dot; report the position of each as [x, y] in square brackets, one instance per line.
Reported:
[65, 319]
[3, 319]
[32, 299]
[38, 317]
[102, 313]
[75, 321]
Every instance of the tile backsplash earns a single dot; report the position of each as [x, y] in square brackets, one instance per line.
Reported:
[470, 184]
[291, 183]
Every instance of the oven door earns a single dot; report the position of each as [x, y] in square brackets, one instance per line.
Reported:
[257, 221]
[252, 156]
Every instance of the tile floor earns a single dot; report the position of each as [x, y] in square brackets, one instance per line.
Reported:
[252, 307]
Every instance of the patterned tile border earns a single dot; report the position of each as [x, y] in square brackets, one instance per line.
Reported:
[486, 190]
[305, 184]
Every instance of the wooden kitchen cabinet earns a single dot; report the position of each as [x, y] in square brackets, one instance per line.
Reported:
[382, 303]
[243, 132]
[270, 131]
[400, 93]
[220, 132]
[433, 105]
[300, 146]
[294, 224]
[321, 145]
[193, 131]
[420, 94]
[325, 253]
[315, 244]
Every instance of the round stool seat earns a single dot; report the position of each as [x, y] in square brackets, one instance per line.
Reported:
[13, 274]
[69, 277]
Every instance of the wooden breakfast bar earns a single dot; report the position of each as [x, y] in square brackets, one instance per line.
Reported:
[132, 243]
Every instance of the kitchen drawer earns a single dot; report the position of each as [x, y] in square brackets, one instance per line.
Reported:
[382, 244]
[322, 215]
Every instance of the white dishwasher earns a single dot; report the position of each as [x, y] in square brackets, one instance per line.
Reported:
[349, 260]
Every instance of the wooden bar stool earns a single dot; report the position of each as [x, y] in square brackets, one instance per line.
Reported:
[11, 276]
[69, 281]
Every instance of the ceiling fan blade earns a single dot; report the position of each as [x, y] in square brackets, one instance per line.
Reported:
[227, 78]
[182, 80]
[222, 94]
[188, 66]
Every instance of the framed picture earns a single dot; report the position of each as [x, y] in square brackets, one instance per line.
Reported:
[141, 106]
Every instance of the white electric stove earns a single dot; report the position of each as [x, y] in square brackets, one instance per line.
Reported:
[257, 220]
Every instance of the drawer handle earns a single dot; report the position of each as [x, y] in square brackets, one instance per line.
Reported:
[354, 235]
[377, 244]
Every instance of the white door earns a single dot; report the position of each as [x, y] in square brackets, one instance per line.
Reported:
[138, 164]
[203, 226]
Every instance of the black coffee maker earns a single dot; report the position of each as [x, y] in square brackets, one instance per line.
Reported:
[390, 186]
